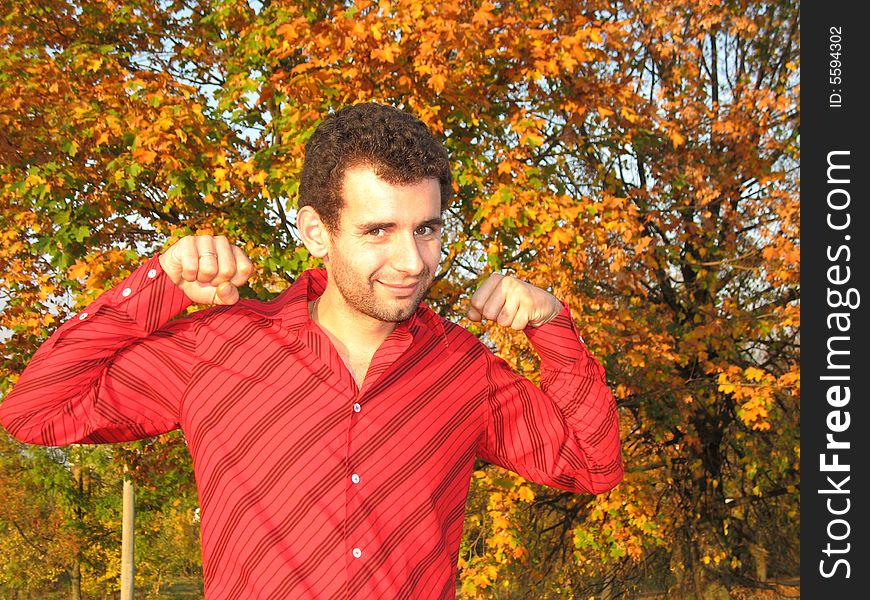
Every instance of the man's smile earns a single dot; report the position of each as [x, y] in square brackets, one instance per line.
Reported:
[403, 289]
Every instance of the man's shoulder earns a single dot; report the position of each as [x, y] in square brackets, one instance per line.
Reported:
[254, 309]
[455, 336]
[270, 307]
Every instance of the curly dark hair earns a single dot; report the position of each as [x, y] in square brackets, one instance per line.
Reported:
[396, 145]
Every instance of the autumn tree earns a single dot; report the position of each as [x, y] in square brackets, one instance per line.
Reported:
[92, 117]
[59, 520]
[705, 152]
[638, 159]
[686, 270]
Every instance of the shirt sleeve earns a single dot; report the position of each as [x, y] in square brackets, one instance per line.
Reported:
[564, 434]
[114, 372]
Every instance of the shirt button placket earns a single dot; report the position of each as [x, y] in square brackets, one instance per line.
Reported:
[352, 499]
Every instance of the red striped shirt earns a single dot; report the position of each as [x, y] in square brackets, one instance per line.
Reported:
[309, 486]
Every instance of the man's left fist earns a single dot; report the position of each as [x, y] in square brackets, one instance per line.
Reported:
[512, 303]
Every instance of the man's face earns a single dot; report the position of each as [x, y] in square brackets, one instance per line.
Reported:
[387, 247]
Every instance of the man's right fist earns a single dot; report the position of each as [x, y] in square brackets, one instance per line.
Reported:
[207, 268]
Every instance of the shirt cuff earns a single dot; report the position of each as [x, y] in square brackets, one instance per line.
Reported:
[557, 341]
[150, 296]
[147, 296]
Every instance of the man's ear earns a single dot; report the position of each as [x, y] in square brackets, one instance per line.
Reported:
[313, 232]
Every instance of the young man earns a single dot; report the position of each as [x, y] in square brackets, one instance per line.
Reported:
[333, 429]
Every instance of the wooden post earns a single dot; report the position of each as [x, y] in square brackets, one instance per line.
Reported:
[127, 548]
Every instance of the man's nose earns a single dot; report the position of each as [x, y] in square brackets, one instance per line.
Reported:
[406, 255]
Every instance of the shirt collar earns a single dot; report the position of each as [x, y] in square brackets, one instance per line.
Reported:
[311, 284]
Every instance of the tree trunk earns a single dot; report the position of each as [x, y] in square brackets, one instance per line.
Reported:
[75, 580]
[759, 561]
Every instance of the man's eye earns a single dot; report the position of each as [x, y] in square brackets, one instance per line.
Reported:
[376, 232]
[425, 230]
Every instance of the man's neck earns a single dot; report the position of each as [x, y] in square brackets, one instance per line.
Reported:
[352, 332]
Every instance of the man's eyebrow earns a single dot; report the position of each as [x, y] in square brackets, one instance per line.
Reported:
[436, 221]
[375, 225]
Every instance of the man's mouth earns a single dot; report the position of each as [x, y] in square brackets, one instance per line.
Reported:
[401, 289]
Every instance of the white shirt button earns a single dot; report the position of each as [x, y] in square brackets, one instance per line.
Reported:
[356, 407]
[83, 316]
[152, 273]
[126, 292]
[356, 552]
[354, 478]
